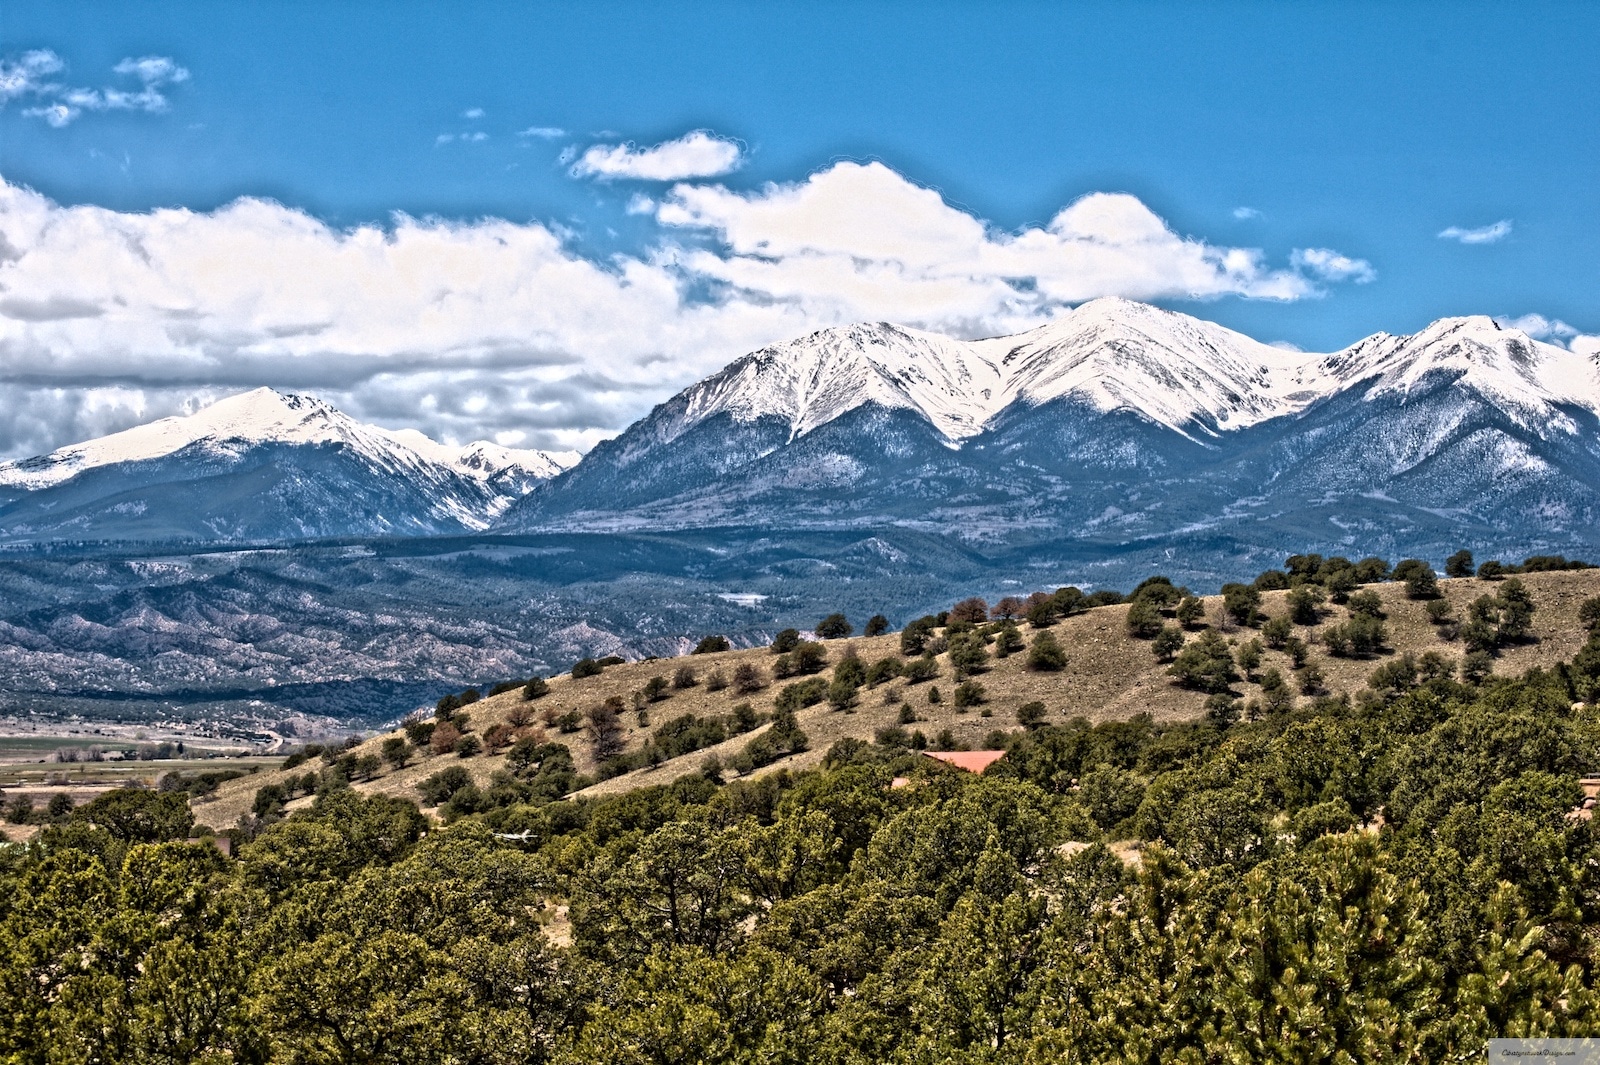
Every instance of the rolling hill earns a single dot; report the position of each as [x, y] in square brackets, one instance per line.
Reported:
[1108, 675]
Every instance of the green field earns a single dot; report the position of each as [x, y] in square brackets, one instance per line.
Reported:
[33, 748]
[21, 767]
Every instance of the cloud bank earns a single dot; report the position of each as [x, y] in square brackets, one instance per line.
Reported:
[862, 241]
[507, 330]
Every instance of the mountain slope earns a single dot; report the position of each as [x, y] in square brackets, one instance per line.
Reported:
[263, 465]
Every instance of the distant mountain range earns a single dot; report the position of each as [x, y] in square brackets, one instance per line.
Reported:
[1117, 423]
[264, 465]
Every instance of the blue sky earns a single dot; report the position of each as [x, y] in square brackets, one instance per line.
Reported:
[1338, 141]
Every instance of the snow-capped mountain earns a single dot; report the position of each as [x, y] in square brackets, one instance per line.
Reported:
[514, 470]
[1117, 420]
[1114, 354]
[1532, 382]
[264, 464]
[267, 416]
[1191, 376]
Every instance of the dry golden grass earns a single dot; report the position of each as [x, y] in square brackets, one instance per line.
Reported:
[1108, 676]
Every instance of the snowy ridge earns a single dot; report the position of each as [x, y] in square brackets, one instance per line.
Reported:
[484, 458]
[1194, 377]
[265, 416]
[1527, 380]
[813, 380]
[1180, 372]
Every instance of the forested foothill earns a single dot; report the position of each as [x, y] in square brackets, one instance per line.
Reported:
[1296, 869]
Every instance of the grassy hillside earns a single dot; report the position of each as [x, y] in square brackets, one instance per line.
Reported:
[1109, 674]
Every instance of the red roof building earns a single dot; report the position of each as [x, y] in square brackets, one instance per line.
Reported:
[971, 761]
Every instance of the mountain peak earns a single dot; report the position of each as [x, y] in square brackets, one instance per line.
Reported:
[1526, 378]
[267, 416]
[1113, 354]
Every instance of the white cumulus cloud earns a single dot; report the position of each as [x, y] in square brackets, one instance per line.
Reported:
[1482, 235]
[476, 329]
[861, 241]
[26, 74]
[1332, 266]
[1539, 327]
[699, 154]
[1553, 331]
[60, 104]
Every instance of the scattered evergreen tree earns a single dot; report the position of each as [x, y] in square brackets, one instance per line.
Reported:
[1031, 715]
[1168, 642]
[1366, 603]
[1357, 637]
[1371, 570]
[1242, 602]
[1205, 663]
[1277, 632]
[1303, 601]
[1190, 610]
[1249, 657]
[834, 627]
[1420, 580]
[968, 654]
[915, 636]
[1007, 640]
[396, 751]
[1589, 615]
[1045, 654]
[1144, 618]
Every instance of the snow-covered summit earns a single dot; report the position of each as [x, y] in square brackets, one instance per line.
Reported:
[486, 459]
[813, 380]
[1192, 376]
[1189, 375]
[1115, 354]
[1527, 379]
[267, 416]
